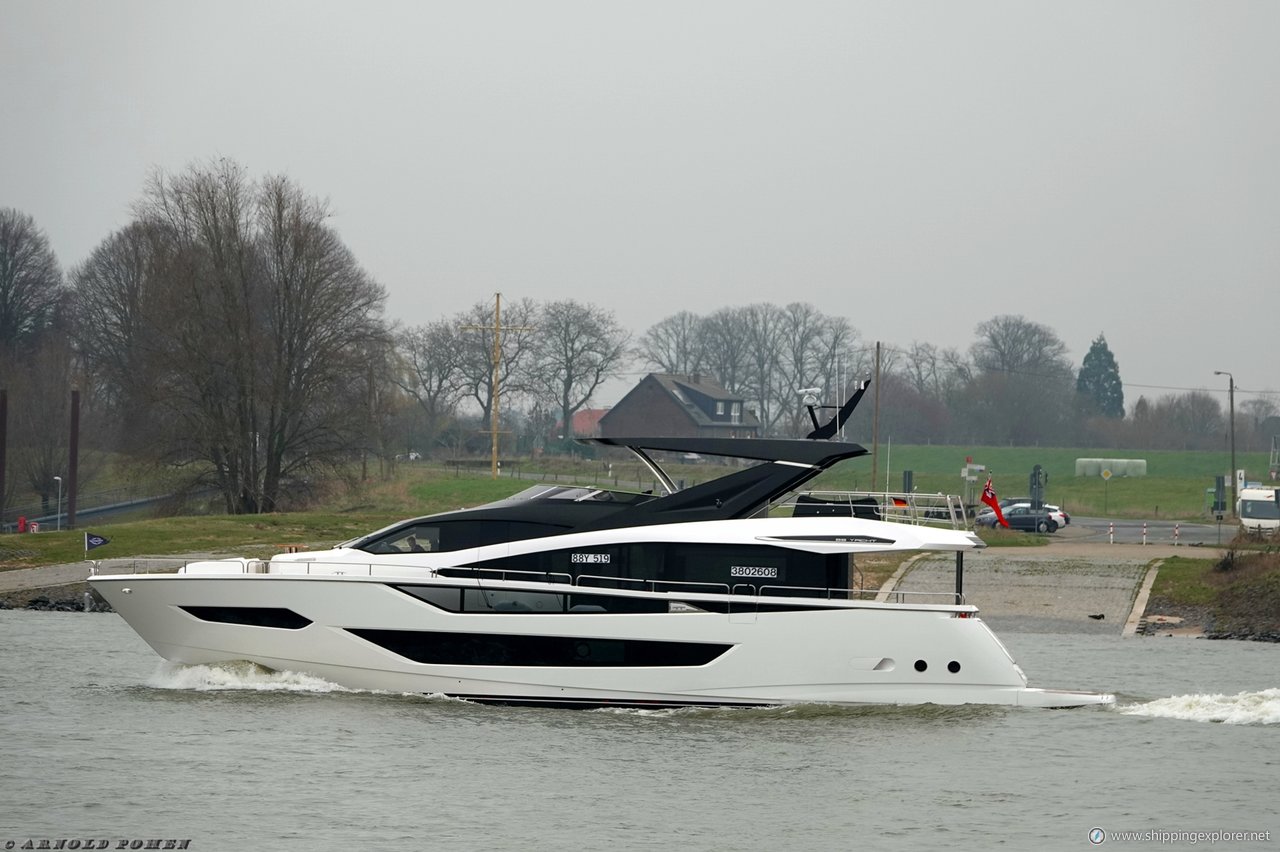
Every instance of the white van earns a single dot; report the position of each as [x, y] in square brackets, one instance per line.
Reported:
[1257, 510]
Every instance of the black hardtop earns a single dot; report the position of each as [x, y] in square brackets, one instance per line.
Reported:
[785, 465]
[795, 450]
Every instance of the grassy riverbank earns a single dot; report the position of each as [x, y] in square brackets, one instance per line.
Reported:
[418, 492]
[1237, 596]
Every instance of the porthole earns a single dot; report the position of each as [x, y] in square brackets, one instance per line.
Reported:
[921, 665]
[953, 667]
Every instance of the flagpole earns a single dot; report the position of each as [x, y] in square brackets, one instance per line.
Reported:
[888, 459]
[97, 541]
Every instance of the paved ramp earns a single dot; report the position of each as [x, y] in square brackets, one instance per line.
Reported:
[1045, 589]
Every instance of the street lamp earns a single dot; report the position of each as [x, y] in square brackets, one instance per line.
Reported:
[1231, 402]
[59, 481]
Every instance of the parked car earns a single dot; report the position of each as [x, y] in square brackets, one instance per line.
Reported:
[1054, 512]
[1020, 517]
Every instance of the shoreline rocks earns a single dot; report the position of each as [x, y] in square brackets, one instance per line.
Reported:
[74, 597]
[1247, 635]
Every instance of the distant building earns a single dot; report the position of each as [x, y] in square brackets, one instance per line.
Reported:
[586, 424]
[665, 405]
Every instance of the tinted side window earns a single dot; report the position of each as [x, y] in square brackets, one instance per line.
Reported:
[484, 600]
[508, 601]
[718, 564]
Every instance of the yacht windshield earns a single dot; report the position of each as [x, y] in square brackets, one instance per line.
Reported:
[569, 493]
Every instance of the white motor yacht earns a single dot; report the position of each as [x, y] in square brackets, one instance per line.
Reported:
[743, 591]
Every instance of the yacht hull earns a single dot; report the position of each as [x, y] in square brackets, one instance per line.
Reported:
[368, 633]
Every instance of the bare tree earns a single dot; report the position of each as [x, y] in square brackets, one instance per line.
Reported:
[383, 402]
[253, 335]
[937, 378]
[114, 332]
[475, 347]
[1198, 415]
[1254, 414]
[323, 333]
[432, 358]
[30, 282]
[804, 359]
[840, 360]
[763, 352]
[675, 345]
[1014, 344]
[1023, 388]
[922, 368]
[959, 370]
[765, 329]
[906, 414]
[1188, 421]
[40, 417]
[579, 347]
[801, 331]
[724, 336]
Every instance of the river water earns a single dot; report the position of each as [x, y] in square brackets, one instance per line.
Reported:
[101, 741]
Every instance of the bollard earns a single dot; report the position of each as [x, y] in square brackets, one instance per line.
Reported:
[1111, 531]
[1144, 532]
[1175, 534]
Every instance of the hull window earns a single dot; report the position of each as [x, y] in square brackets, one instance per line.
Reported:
[253, 616]
[490, 649]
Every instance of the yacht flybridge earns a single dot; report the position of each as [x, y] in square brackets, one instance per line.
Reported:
[742, 591]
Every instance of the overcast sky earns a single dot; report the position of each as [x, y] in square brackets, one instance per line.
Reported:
[1098, 167]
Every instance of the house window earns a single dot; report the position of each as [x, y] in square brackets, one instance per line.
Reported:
[720, 409]
[737, 412]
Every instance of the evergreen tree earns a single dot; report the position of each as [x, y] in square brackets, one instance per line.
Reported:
[1099, 379]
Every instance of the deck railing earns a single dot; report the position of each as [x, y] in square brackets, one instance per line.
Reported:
[936, 510]
[593, 581]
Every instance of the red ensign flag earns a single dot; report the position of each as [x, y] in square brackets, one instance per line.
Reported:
[989, 497]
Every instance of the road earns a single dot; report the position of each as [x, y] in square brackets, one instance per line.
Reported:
[1128, 531]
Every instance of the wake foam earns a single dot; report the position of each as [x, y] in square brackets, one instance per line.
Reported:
[237, 676]
[1243, 708]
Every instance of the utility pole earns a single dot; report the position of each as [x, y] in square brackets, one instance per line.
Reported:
[875, 425]
[497, 394]
[4, 442]
[494, 380]
[73, 461]
[1231, 402]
